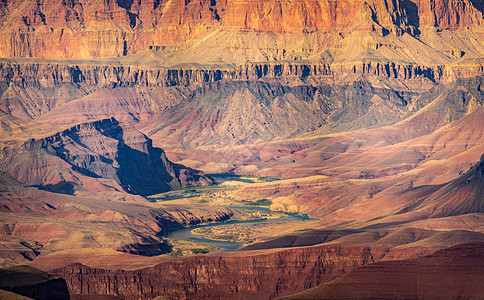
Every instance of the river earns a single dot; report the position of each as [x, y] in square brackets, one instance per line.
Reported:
[187, 235]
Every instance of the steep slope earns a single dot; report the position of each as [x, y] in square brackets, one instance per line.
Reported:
[452, 273]
[34, 222]
[236, 275]
[242, 274]
[462, 195]
[381, 171]
[99, 156]
[248, 112]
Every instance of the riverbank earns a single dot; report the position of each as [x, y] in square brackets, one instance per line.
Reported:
[235, 234]
[253, 222]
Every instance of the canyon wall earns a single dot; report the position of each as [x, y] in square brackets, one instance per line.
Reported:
[100, 28]
[51, 74]
[190, 107]
[87, 29]
[236, 275]
[444, 275]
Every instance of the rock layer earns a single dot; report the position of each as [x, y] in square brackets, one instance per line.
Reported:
[243, 275]
[99, 29]
[452, 273]
[235, 276]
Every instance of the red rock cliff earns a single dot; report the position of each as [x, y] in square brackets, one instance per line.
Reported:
[85, 29]
[255, 275]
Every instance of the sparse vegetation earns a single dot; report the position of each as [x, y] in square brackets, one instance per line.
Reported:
[186, 248]
[199, 251]
[245, 233]
[260, 202]
[268, 179]
[211, 191]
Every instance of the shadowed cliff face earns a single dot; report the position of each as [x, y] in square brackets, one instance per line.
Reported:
[32, 283]
[462, 195]
[95, 152]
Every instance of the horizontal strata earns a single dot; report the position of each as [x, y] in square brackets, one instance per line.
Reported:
[90, 29]
[243, 276]
[47, 74]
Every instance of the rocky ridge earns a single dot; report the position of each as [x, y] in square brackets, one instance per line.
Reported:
[35, 222]
[86, 155]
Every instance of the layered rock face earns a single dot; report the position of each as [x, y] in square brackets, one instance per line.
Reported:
[243, 275]
[81, 29]
[116, 28]
[393, 16]
[234, 276]
[45, 74]
[445, 274]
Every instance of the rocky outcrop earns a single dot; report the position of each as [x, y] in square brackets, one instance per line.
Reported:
[52, 74]
[446, 13]
[33, 283]
[49, 75]
[240, 275]
[344, 15]
[86, 153]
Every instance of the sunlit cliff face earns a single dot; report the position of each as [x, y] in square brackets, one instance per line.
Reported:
[76, 29]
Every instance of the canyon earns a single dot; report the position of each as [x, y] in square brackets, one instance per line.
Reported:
[340, 141]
